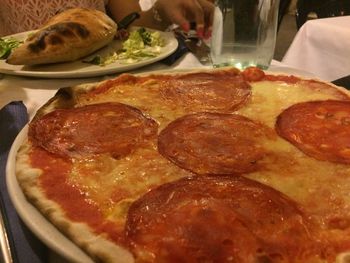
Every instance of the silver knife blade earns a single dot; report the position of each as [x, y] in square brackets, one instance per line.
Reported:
[5, 249]
[196, 46]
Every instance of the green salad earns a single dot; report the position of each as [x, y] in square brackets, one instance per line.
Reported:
[141, 44]
[7, 45]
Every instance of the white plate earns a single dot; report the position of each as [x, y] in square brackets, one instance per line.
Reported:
[79, 69]
[36, 222]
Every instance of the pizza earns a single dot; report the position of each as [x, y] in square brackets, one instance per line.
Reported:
[197, 166]
[68, 36]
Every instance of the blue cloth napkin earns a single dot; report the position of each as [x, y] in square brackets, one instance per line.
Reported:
[25, 247]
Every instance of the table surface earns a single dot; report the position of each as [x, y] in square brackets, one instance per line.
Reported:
[322, 46]
[34, 92]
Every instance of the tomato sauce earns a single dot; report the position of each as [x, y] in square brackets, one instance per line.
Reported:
[54, 181]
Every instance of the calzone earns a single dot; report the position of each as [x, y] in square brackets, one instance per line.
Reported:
[68, 36]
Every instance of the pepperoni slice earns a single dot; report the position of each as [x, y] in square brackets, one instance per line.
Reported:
[214, 143]
[220, 91]
[100, 128]
[320, 129]
[217, 219]
[253, 74]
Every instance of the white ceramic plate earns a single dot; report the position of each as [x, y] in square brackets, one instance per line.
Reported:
[36, 222]
[79, 69]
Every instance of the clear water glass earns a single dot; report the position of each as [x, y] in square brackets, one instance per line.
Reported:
[244, 33]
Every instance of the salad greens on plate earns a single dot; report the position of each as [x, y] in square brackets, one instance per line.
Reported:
[141, 44]
[6, 46]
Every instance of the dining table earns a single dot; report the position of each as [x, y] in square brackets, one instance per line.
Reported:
[20, 98]
[322, 46]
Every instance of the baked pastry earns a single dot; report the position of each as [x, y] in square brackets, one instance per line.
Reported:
[68, 36]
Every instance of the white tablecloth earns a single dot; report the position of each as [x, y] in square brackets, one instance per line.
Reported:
[322, 46]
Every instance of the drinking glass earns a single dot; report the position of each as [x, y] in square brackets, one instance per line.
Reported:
[244, 33]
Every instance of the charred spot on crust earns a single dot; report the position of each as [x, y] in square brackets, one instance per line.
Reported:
[68, 29]
[55, 40]
[39, 44]
[82, 30]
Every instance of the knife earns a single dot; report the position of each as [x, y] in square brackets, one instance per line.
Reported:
[5, 248]
[195, 45]
[126, 21]
[343, 82]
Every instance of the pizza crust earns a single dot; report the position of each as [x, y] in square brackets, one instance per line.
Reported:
[68, 36]
[64, 98]
[98, 247]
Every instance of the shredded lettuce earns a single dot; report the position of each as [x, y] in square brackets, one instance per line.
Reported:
[134, 41]
[140, 45]
[151, 38]
[7, 45]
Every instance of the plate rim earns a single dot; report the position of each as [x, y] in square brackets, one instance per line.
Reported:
[172, 45]
[41, 227]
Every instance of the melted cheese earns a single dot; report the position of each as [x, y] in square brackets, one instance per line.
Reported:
[115, 183]
[269, 99]
[145, 96]
[287, 170]
[321, 188]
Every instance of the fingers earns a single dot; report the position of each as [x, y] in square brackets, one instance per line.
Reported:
[203, 12]
[187, 11]
[208, 9]
[177, 17]
[174, 11]
[182, 12]
[198, 13]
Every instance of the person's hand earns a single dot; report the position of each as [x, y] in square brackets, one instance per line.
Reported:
[182, 12]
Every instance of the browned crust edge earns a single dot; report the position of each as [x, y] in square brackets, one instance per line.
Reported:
[98, 247]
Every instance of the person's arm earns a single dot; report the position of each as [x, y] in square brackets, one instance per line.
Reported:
[118, 9]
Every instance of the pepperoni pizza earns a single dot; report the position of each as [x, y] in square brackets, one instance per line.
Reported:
[208, 166]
